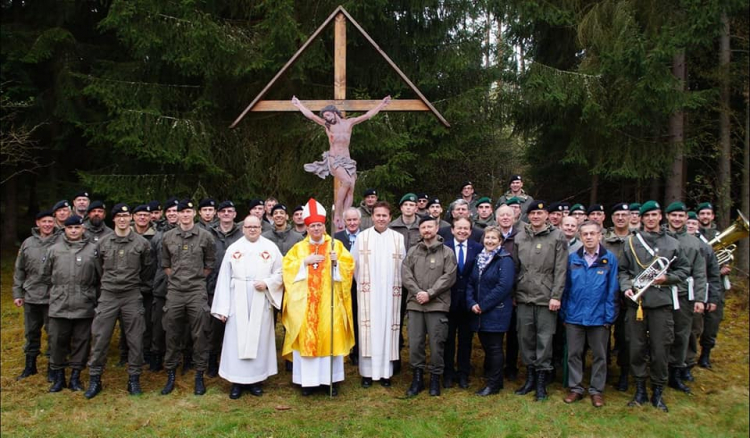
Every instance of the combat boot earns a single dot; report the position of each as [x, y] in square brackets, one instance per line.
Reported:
[29, 368]
[213, 365]
[675, 380]
[50, 376]
[200, 387]
[687, 374]
[656, 398]
[169, 387]
[134, 385]
[58, 382]
[530, 383]
[75, 381]
[435, 385]
[641, 396]
[541, 386]
[705, 360]
[95, 387]
[417, 383]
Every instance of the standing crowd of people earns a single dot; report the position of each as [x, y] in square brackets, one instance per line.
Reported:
[543, 281]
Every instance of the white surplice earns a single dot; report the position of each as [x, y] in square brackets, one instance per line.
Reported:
[248, 352]
[378, 258]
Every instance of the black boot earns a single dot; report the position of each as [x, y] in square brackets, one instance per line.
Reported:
[656, 398]
[50, 376]
[541, 386]
[200, 387]
[675, 380]
[641, 396]
[213, 365]
[58, 382]
[29, 368]
[687, 374]
[256, 389]
[134, 385]
[530, 383]
[622, 383]
[236, 391]
[75, 381]
[435, 385]
[169, 387]
[288, 366]
[417, 383]
[705, 360]
[95, 387]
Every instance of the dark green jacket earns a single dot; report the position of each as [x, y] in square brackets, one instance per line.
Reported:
[410, 232]
[95, 234]
[222, 241]
[431, 269]
[542, 265]
[691, 249]
[285, 240]
[636, 258]
[187, 254]
[127, 263]
[73, 271]
[28, 282]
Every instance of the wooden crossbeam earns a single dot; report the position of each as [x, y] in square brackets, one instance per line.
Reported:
[343, 105]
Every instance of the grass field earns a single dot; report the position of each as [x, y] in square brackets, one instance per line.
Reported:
[718, 408]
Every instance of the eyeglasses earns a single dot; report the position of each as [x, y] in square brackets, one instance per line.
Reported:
[251, 227]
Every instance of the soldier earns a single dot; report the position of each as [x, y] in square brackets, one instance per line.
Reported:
[407, 224]
[650, 323]
[143, 226]
[635, 216]
[187, 257]
[613, 240]
[156, 212]
[555, 214]
[596, 213]
[207, 213]
[428, 272]
[578, 211]
[515, 204]
[282, 233]
[268, 205]
[30, 291]
[225, 233]
[126, 263]
[543, 260]
[61, 212]
[370, 198]
[422, 200]
[81, 203]
[298, 222]
[256, 207]
[72, 271]
[516, 191]
[159, 291]
[485, 215]
[96, 229]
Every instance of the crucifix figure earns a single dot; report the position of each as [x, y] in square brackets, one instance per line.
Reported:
[337, 161]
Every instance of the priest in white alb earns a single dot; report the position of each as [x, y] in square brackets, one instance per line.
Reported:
[248, 286]
[313, 269]
[378, 253]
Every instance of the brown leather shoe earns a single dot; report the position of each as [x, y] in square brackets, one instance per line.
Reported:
[597, 400]
[572, 397]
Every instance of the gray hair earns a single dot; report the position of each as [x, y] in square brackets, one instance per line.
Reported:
[355, 210]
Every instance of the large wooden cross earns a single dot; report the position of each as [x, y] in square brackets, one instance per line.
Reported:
[340, 17]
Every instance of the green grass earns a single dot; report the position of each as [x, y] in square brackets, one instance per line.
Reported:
[718, 408]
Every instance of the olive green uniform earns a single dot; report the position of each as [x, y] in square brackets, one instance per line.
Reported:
[615, 244]
[188, 254]
[126, 264]
[73, 272]
[655, 332]
[29, 285]
[366, 219]
[159, 294]
[715, 296]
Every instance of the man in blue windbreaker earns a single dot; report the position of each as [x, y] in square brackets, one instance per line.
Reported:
[589, 307]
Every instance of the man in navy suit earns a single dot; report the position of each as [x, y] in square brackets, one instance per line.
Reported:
[466, 251]
[352, 220]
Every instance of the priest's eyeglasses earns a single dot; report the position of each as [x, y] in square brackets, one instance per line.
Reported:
[251, 227]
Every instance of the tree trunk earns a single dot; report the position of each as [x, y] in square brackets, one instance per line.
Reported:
[675, 180]
[742, 256]
[10, 213]
[653, 193]
[724, 201]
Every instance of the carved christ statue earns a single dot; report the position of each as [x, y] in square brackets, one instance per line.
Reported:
[337, 161]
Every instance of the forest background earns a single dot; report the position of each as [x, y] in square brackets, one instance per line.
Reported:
[592, 101]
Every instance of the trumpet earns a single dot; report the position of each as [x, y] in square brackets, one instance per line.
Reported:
[724, 244]
[646, 278]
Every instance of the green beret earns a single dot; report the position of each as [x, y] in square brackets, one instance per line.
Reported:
[484, 200]
[577, 207]
[692, 215]
[407, 197]
[636, 206]
[512, 201]
[649, 206]
[704, 206]
[676, 206]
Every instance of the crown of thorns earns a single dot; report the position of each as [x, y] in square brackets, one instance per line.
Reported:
[330, 108]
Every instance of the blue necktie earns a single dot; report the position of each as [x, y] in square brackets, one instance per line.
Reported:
[461, 257]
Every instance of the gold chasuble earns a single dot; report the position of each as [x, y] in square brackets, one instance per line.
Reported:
[306, 311]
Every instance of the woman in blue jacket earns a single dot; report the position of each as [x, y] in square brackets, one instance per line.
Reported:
[488, 295]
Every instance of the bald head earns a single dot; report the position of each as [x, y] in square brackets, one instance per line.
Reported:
[251, 228]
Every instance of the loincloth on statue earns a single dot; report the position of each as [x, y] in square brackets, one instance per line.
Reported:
[323, 168]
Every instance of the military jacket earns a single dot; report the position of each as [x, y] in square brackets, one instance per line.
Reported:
[72, 270]
[187, 254]
[28, 282]
[543, 265]
[127, 263]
